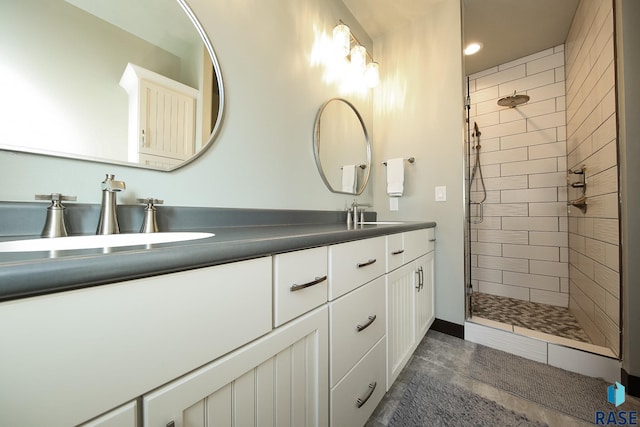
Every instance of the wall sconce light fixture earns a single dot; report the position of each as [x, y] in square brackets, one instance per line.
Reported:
[357, 55]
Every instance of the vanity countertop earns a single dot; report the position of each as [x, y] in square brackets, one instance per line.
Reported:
[34, 273]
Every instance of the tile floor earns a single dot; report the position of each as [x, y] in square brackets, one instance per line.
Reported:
[448, 359]
[544, 318]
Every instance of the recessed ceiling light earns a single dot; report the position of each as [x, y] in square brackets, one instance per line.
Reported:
[472, 48]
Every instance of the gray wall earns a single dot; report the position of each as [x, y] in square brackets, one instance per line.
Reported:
[419, 113]
[628, 35]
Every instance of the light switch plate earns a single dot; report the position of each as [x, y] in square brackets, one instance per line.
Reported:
[441, 194]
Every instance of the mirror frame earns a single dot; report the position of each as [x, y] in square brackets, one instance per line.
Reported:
[214, 132]
[316, 147]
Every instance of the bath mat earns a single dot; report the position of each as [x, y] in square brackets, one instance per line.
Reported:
[428, 401]
[573, 394]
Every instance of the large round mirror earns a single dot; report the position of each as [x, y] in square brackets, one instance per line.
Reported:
[118, 81]
[341, 147]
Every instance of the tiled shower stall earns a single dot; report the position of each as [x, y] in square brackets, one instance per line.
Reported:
[525, 242]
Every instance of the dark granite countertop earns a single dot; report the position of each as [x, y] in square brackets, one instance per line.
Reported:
[36, 273]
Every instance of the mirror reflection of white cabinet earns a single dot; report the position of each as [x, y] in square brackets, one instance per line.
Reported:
[161, 118]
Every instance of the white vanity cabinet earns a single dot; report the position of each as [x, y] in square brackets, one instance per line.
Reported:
[277, 380]
[81, 353]
[410, 299]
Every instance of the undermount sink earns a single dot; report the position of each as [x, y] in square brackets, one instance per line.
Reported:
[381, 223]
[98, 241]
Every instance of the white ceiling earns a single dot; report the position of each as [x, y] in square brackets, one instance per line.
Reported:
[508, 29]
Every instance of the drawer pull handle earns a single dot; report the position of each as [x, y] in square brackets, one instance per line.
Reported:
[432, 240]
[367, 324]
[294, 288]
[397, 252]
[362, 400]
[171, 424]
[364, 264]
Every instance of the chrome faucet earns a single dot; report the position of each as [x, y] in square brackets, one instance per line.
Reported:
[358, 215]
[108, 223]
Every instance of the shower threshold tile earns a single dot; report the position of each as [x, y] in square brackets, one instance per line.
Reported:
[567, 342]
[492, 323]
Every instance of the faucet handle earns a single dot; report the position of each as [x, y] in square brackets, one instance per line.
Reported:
[55, 197]
[150, 225]
[150, 201]
[54, 225]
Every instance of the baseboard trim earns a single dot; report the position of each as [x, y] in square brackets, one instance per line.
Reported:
[448, 328]
[631, 383]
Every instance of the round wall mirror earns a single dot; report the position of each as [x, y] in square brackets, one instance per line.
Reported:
[120, 81]
[341, 147]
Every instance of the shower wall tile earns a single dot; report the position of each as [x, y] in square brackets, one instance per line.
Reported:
[504, 129]
[607, 278]
[526, 59]
[499, 157]
[557, 179]
[512, 182]
[533, 281]
[504, 264]
[530, 109]
[531, 224]
[507, 75]
[530, 195]
[494, 249]
[488, 275]
[500, 236]
[506, 209]
[548, 209]
[544, 151]
[548, 268]
[546, 121]
[504, 290]
[546, 238]
[606, 230]
[525, 179]
[529, 252]
[528, 166]
[546, 63]
[551, 298]
[551, 91]
[543, 136]
[534, 81]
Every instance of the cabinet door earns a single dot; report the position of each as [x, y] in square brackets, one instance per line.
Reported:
[278, 380]
[401, 322]
[424, 295]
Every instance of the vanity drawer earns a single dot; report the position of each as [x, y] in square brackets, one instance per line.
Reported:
[357, 394]
[355, 263]
[416, 243]
[357, 322]
[299, 283]
[395, 251]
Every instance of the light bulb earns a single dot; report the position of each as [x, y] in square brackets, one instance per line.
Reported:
[342, 39]
[358, 58]
[372, 74]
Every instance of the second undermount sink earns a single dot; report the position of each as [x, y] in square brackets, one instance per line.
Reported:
[98, 241]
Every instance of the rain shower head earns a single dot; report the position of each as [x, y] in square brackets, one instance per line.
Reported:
[513, 101]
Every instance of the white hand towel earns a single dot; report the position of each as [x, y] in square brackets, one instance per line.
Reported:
[395, 177]
[349, 178]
